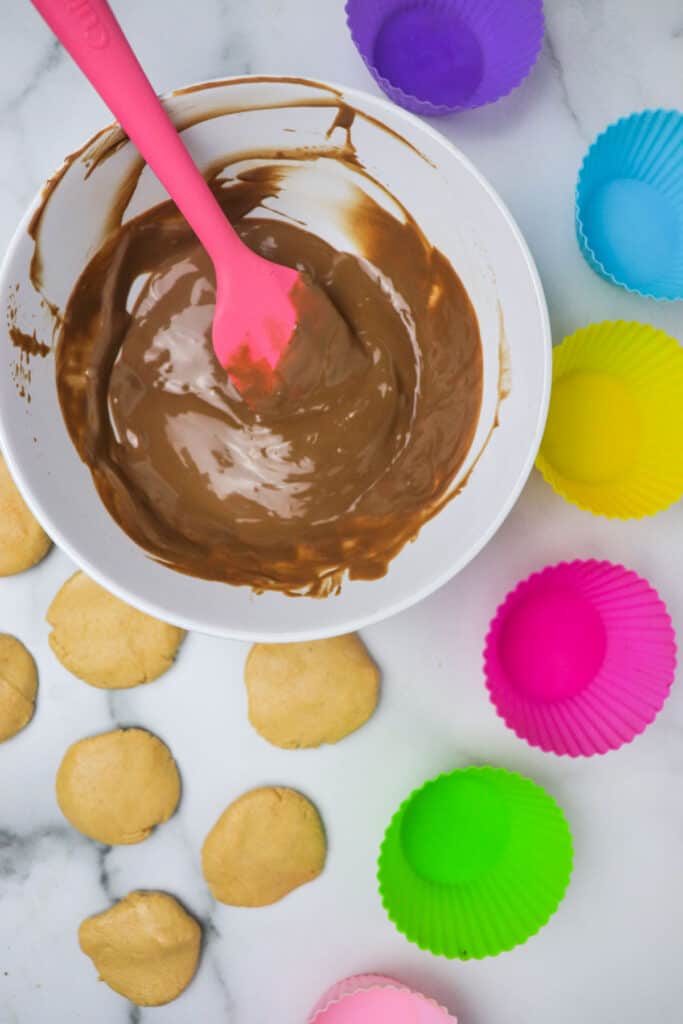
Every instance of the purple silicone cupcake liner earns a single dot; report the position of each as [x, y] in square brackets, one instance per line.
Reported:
[435, 57]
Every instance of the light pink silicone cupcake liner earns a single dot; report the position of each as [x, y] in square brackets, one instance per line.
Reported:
[347, 987]
[376, 999]
[580, 658]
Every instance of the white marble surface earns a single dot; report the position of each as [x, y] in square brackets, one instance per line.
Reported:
[612, 953]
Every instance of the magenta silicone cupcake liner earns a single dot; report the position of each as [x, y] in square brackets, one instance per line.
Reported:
[375, 999]
[438, 56]
[580, 657]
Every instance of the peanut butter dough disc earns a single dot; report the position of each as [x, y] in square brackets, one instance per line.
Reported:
[265, 844]
[117, 786]
[145, 947]
[18, 686]
[104, 641]
[305, 694]
[23, 541]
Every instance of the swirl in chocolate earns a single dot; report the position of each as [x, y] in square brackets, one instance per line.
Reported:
[331, 474]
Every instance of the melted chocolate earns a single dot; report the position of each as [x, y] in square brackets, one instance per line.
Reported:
[28, 344]
[332, 473]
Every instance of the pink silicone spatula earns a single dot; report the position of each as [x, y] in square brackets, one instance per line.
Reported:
[255, 315]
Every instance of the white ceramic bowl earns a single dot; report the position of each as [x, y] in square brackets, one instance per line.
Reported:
[458, 211]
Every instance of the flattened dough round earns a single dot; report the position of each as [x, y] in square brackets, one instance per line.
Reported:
[265, 844]
[117, 786]
[18, 686]
[145, 947]
[23, 541]
[104, 641]
[305, 694]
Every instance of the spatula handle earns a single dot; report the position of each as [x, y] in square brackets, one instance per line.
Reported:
[93, 37]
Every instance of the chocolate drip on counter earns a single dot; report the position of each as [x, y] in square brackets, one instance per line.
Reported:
[335, 471]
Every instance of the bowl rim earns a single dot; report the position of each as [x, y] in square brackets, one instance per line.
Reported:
[387, 610]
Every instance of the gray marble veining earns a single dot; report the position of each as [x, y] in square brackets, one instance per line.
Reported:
[611, 955]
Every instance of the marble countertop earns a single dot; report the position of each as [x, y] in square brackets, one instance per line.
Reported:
[612, 953]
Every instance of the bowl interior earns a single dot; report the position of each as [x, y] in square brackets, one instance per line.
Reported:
[458, 212]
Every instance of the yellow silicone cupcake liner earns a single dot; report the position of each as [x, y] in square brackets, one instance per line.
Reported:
[613, 443]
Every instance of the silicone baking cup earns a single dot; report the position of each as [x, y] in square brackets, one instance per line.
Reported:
[629, 204]
[474, 863]
[580, 658]
[438, 56]
[374, 999]
[613, 443]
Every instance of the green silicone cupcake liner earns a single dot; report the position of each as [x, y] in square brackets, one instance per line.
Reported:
[474, 863]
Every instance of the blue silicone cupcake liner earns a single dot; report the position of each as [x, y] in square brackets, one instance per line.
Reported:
[435, 57]
[629, 204]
